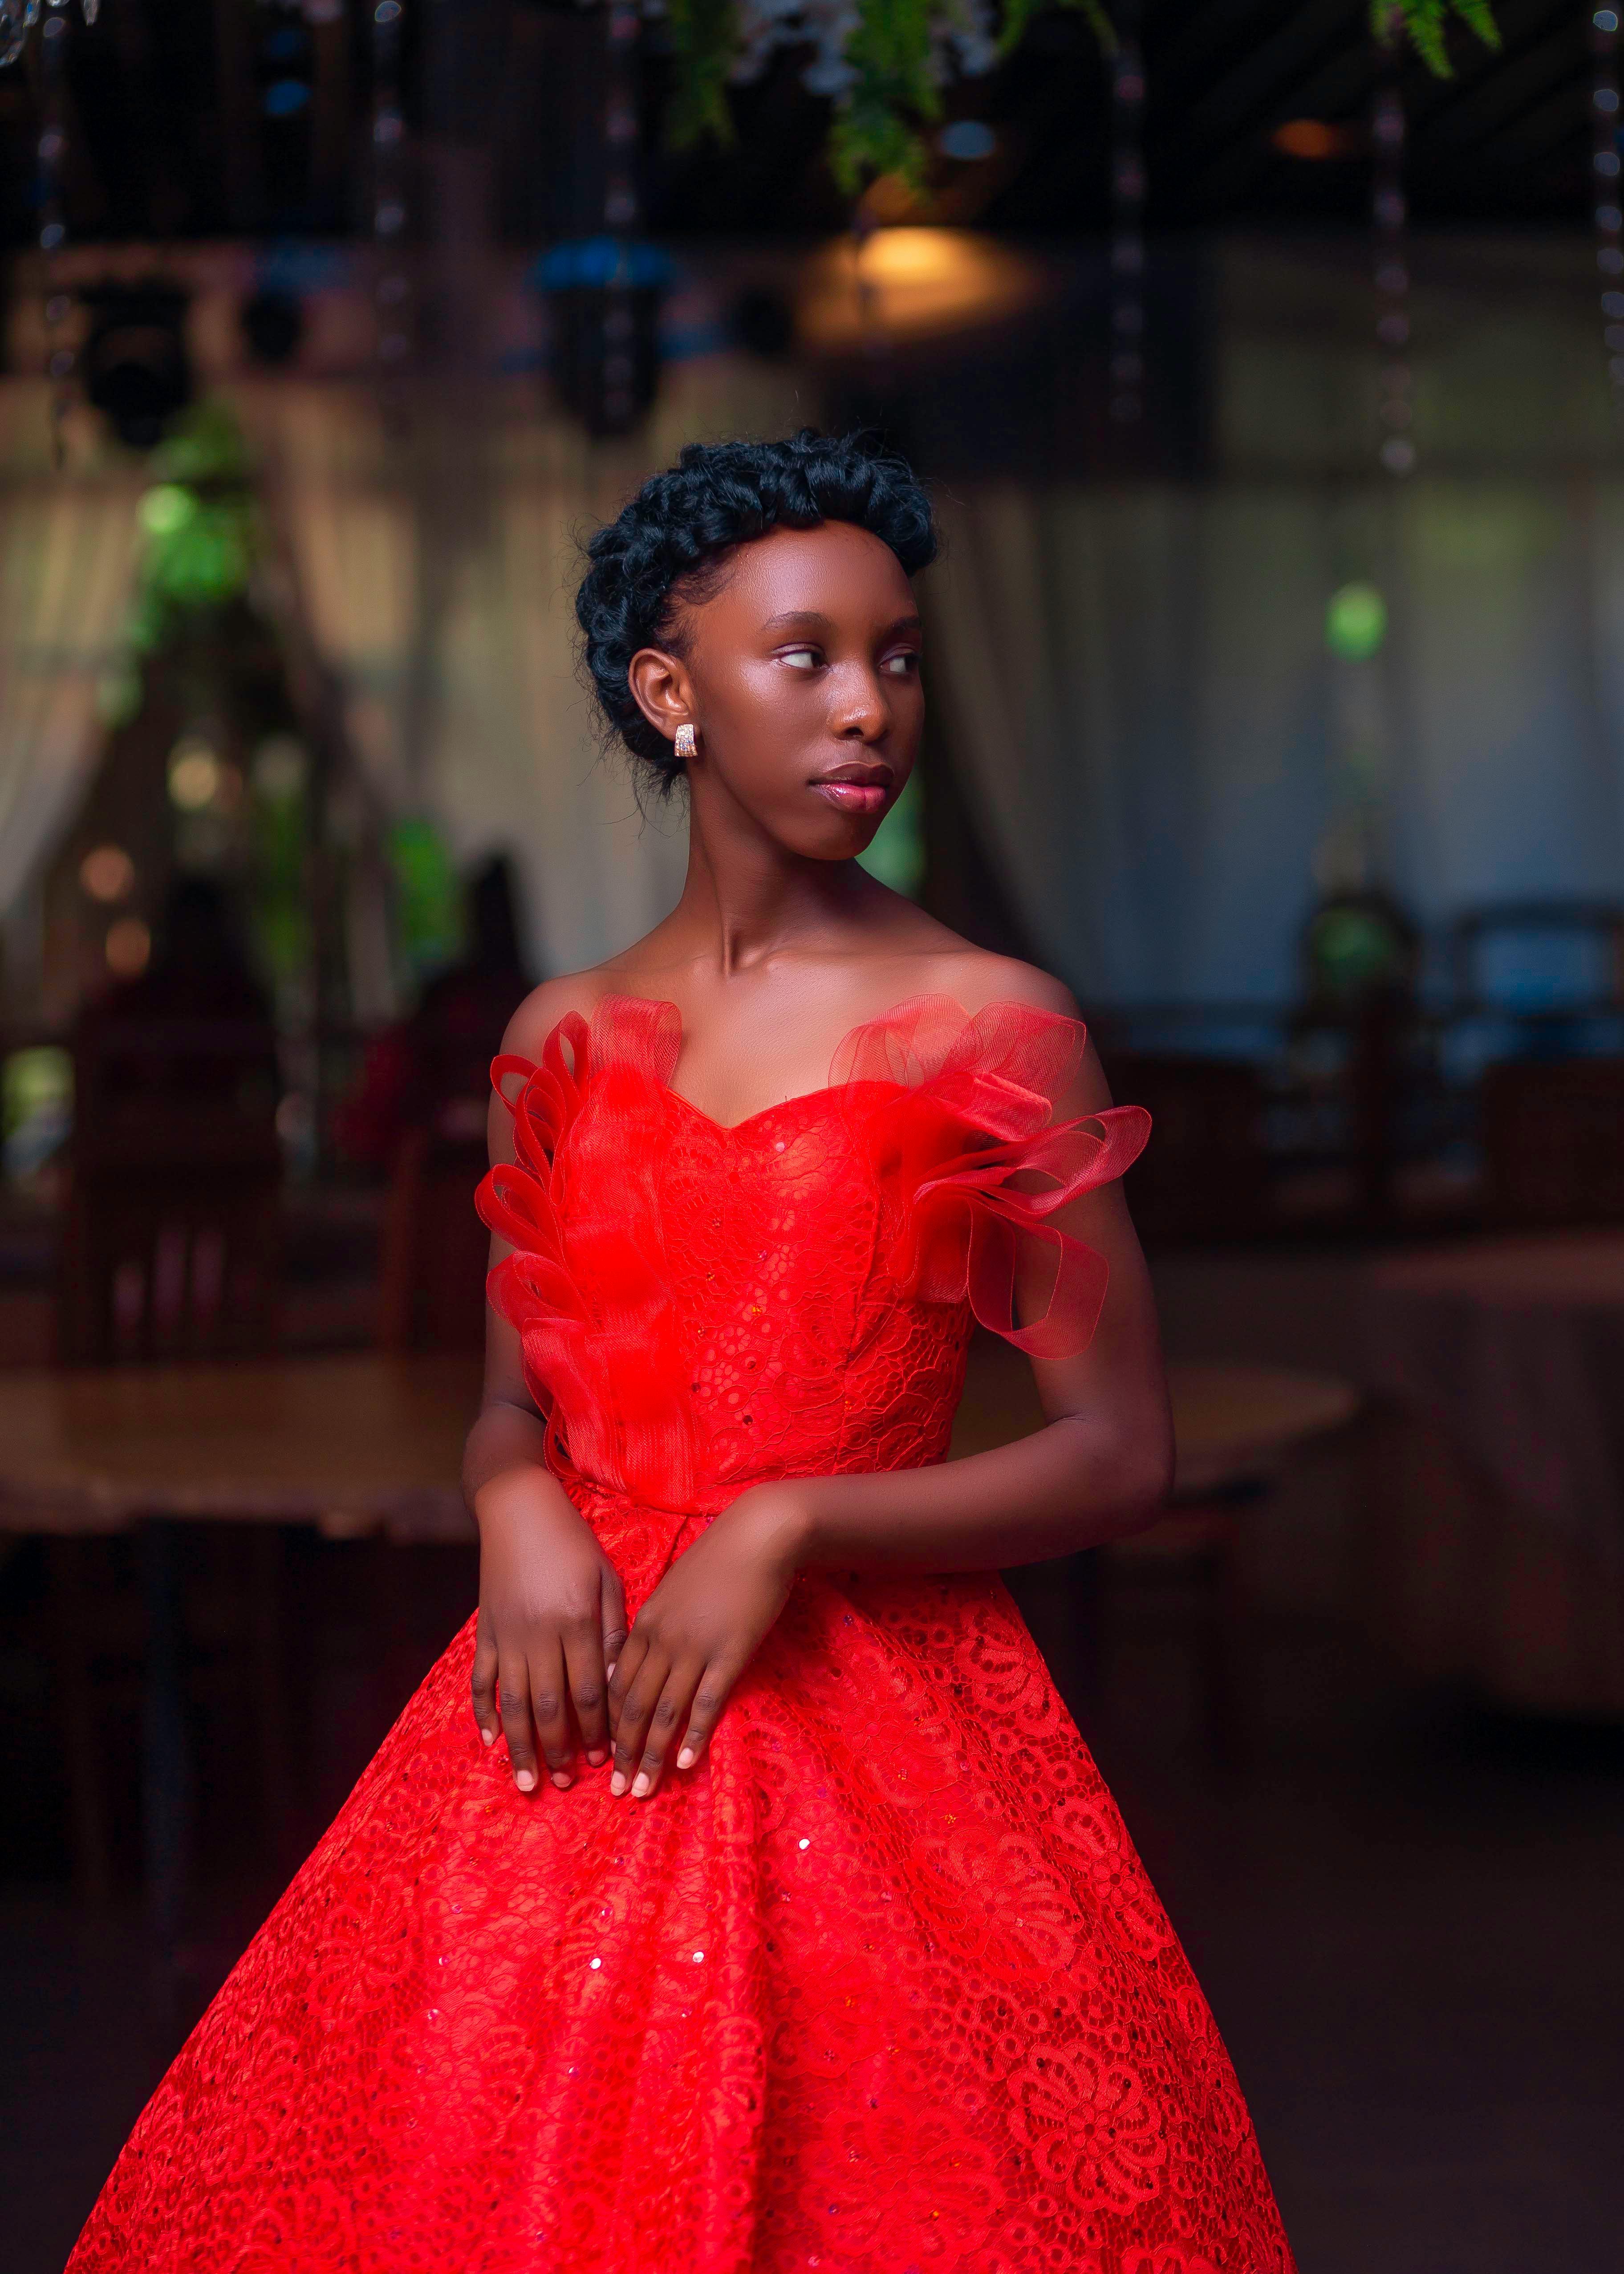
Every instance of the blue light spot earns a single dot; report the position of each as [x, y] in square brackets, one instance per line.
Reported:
[285, 96]
[966, 140]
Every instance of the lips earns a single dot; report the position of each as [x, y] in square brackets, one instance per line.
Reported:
[856, 789]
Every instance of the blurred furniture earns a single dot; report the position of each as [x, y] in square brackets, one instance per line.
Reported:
[1360, 956]
[1498, 1492]
[353, 1445]
[435, 1248]
[1234, 1427]
[1597, 925]
[1553, 1138]
[171, 1235]
[1202, 1176]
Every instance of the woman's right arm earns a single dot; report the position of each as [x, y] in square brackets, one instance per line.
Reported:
[552, 1610]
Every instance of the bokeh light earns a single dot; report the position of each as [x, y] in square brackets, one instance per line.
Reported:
[1356, 622]
[129, 948]
[108, 873]
[167, 509]
[194, 774]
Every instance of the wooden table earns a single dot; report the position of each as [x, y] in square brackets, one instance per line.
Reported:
[352, 1444]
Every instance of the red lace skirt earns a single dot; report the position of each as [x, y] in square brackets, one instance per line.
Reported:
[881, 1987]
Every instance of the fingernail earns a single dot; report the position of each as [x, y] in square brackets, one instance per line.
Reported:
[641, 1785]
[687, 1757]
[526, 1780]
[487, 1736]
[563, 1781]
[598, 1758]
[617, 1784]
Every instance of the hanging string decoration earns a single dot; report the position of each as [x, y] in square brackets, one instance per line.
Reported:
[883, 64]
[1127, 396]
[17, 19]
[1395, 407]
[622, 211]
[1609, 207]
[392, 280]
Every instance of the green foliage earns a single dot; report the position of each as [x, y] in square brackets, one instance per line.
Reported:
[704, 37]
[428, 896]
[1426, 22]
[199, 523]
[894, 49]
[875, 128]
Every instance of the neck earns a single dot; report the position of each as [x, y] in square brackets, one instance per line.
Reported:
[746, 900]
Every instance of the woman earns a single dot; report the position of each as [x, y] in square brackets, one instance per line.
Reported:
[768, 1912]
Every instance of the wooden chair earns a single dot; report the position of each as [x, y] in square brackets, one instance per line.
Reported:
[171, 1236]
[170, 1250]
[1552, 1137]
[432, 1272]
[1203, 1175]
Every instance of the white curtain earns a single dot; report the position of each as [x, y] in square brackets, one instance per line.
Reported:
[68, 545]
[345, 512]
[1136, 691]
[437, 576]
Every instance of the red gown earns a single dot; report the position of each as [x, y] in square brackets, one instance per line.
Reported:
[881, 1987]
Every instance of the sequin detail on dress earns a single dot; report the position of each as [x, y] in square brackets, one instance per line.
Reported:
[883, 1985]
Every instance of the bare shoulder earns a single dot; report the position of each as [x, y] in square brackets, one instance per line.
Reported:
[544, 1006]
[975, 978]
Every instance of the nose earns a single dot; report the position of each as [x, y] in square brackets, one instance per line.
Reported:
[861, 713]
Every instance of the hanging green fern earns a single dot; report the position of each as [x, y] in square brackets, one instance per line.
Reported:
[885, 63]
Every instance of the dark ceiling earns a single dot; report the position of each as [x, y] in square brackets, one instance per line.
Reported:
[170, 135]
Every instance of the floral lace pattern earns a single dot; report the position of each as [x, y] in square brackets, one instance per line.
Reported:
[880, 1988]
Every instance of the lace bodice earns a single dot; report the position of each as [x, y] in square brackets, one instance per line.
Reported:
[703, 1306]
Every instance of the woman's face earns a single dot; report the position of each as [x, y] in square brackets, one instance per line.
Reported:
[801, 677]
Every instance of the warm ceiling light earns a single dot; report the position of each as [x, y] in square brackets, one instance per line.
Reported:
[1315, 138]
[910, 283]
[108, 873]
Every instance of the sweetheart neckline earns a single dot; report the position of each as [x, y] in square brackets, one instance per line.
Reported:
[827, 1089]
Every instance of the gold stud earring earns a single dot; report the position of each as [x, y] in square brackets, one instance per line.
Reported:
[686, 744]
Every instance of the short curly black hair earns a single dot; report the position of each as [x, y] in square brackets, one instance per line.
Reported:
[670, 543]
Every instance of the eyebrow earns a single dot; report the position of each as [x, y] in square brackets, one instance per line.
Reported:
[809, 620]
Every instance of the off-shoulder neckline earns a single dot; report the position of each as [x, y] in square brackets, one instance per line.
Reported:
[826, 1088]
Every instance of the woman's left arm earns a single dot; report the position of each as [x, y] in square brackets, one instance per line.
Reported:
[1100, 1466]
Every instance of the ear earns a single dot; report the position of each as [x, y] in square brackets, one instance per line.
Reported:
[661, 690]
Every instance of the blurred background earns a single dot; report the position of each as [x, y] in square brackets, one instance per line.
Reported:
[1267, 369]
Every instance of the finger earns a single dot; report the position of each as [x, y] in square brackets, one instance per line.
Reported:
[636, 1711]
[665, 1725]
[633, 1649]
[612, 1608]
[583, 1666]
[482, 1681]
[550, 1711]
[714, 1689]
[513, 1698]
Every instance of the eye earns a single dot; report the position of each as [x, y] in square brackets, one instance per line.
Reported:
[901, 665]
[799, 659]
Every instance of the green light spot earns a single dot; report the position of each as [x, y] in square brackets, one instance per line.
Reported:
[1356, 622]
[167, 508]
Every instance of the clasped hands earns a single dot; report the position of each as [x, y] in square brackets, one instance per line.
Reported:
[557, 1674]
